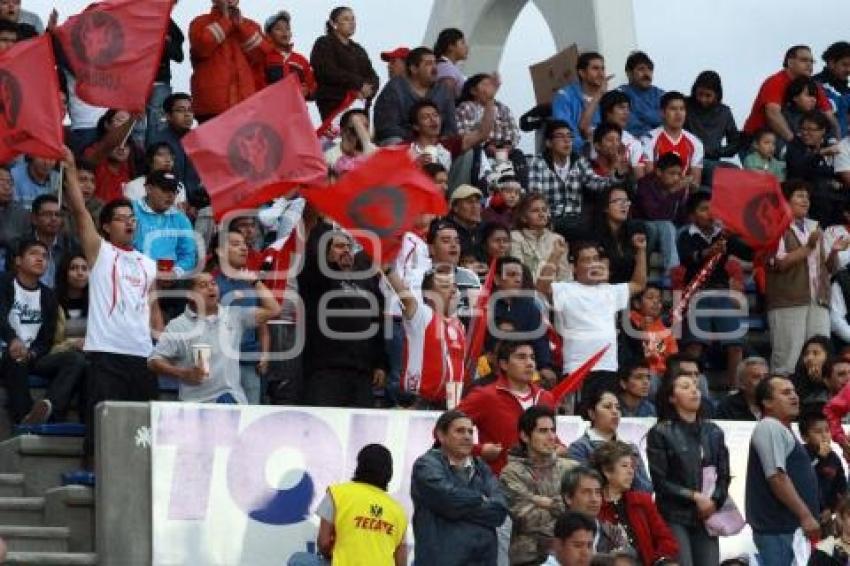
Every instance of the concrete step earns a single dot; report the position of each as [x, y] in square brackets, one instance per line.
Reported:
[51, 559]
[42, 460]
[35, 539]
[72, 506]
[22, 511]
[11, 485]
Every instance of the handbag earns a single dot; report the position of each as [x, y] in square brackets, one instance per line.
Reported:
[726, 521]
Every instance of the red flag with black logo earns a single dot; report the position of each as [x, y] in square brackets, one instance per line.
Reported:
[30, 109]
[113, 49]
[258, 149]
[379, 201]
[751, 205]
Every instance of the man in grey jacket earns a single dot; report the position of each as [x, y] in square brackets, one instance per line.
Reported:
[392, 108]
[457, 502]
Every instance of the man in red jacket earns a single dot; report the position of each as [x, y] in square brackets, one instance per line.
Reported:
[228, 59]
[495, 408]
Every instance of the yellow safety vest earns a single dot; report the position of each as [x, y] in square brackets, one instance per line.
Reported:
[369, 525]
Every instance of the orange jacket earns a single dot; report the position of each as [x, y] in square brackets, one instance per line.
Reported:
[227, 61]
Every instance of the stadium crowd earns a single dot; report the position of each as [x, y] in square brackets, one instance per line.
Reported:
[111, 261]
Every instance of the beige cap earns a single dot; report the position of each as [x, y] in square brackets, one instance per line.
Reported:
[464, 191]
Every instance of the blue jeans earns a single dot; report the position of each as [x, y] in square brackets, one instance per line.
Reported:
[774, 549]
[154, 114]
[394, 347]
[661, 237]
[226, 399]
[251, 382]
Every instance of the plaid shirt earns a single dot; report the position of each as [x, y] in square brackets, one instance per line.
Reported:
[566, 197]
[468, 116]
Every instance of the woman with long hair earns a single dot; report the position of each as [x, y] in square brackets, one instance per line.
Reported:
[614, 231]
[341, 64]
[631, 511]
[809, 379]
[683, 449]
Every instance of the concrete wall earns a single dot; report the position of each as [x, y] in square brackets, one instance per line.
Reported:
[123, 488]
[603, 25]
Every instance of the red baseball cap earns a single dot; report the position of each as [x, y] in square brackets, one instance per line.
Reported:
[397, 53]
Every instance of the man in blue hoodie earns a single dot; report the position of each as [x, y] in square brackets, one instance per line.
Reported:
[163, 232]
[645, 97]
[571, 101]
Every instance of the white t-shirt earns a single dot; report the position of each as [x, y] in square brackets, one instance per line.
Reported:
[119, 302]
[25, 316]
[585, 316]
[82, 115]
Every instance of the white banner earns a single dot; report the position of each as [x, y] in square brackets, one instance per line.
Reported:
[240, 485]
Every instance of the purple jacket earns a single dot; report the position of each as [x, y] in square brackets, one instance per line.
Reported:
[652, 202]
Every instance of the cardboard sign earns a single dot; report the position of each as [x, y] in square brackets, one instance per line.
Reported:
[550, 75]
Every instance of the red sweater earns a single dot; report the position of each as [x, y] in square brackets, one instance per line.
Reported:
[834, 412]
[654, 539]
[495, 411]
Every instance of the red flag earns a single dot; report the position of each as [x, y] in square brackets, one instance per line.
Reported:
[30, 111]
[573, 381]
[751, 205]
[478, 324]
[383, 196]
[327, 125]
[114, 48]
[257, 150]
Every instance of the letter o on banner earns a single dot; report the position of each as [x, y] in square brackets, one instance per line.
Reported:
[246, 467]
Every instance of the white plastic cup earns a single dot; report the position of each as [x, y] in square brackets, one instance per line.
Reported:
[201, 354]
[454, 390]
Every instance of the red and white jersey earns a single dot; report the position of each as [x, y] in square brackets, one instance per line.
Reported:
[433, 353]
[688, 147]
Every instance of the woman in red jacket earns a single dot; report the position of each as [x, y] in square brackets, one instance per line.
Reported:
[632, 511]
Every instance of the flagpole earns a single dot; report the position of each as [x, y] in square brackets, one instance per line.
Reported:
[61, 184]
[129, 133]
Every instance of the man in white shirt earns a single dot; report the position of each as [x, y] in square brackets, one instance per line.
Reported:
[586, 309]
[118, 334]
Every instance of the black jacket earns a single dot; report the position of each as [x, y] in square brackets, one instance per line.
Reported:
[364, 353]
[49, 313]
[690, 248]
[832, 481]
[339, 68]
[677, 452]
[712, 126]
[734, 408]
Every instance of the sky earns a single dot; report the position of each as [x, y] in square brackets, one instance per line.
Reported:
[744, 40]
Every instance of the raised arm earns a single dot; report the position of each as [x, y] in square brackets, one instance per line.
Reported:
[638, 281]
[89, 237]
[409, 304]
[485, 128]
[548, 272]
